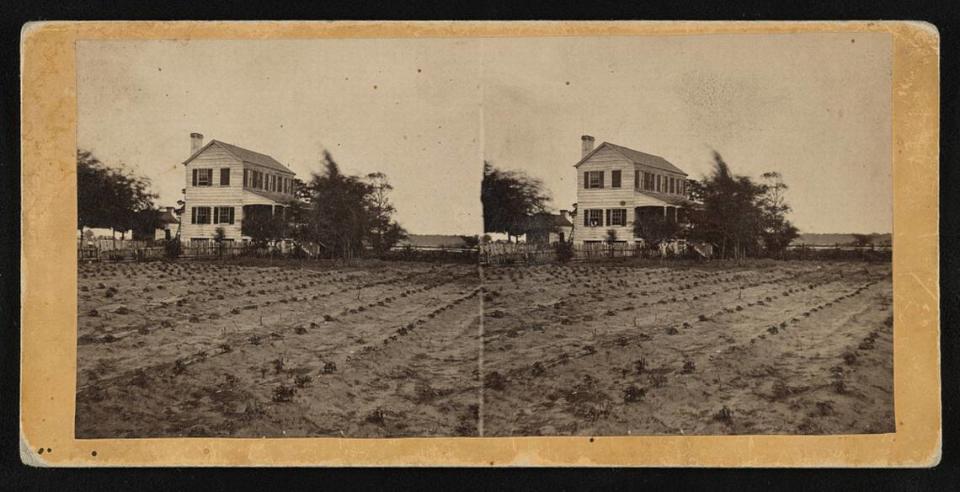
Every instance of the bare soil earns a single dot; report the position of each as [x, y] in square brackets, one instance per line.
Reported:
[771, 348]
[204, 349]
[395, 349]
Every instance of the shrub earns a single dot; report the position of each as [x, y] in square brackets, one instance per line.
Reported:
[565, 251]
[302, 381]
[658, 380]
[283, 393]
[850, 358]
[640, 365]
[376, 417]
[724, 415]
[633, 394]
[495, 381]
[172, 248]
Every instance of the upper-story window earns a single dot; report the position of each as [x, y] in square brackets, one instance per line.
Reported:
[224, 176]
[202, 177]
[593, 179]
[615, 178]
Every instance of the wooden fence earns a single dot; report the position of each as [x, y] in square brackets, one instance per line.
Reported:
[148, 251]
[135, 251]
[531, 253]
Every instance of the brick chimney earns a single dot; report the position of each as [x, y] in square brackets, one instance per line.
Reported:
[196, 141]
[586, 145]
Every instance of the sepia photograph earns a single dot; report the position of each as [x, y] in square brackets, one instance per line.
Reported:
[485, 236]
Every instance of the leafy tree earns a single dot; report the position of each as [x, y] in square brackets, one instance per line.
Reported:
[219, 236]
[509, 198]
[337, 218]
[384, 232]
[611, 236]
[145, 223]
[862, 240]
[777, 232]
[695, 190]
[655, 230]
[730, 215]
[261, 225]
[109, 197]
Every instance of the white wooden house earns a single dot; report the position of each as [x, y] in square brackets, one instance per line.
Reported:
[224, 183]
[617, 186]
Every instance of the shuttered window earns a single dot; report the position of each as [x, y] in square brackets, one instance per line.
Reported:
[223, 215]
[658, 183]
[200, 215]
[593, 217]
[593, 179]
[636, 180]
[202, 177]
[615, 178]
[224, 176]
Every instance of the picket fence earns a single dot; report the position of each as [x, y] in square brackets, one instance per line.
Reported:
[533, 253]
[135, 251]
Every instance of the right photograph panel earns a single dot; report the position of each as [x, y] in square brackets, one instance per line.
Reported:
[687, 235]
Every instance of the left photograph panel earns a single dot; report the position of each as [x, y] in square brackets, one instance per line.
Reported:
[263, 249]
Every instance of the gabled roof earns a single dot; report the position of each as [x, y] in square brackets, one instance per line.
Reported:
[244, 155]
[167, 217]
[546, 221]
[636, 157]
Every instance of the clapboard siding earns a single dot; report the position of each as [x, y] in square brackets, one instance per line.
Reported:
[188, 230]
[215, 195]
[626, 197]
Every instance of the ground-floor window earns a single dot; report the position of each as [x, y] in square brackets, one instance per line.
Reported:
[617, 216]
[200, 215]
[593, 217]
[223, 215]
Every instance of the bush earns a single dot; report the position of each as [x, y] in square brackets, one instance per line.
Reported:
[283, 393]
[172, 248]
[565, 251]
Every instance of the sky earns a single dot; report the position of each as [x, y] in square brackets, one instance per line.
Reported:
[427, 112]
